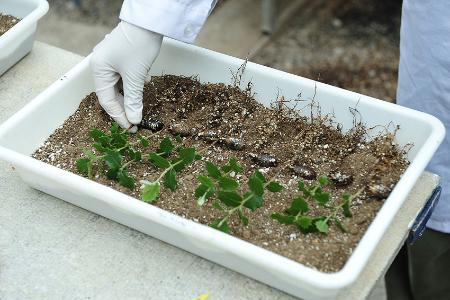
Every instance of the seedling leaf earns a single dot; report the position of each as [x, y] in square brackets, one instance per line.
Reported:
[243, 218]
[304, 222]
[283, 219]
[321, 226]
[178, 164]
[229, 198]
[260, 176]
[96, 134]
[213, 170]
[125, 180]
[84, 165]
[170, 180]
[274, 187]
[221, 225]
[114, 128]
[187, 155]
[204, 180]
[112, 173]
[340, 225]
[113, 159]
[323, 180]
[166, 146]
[217, 205]
[134, 154]
[346, 206]
[144, 141]
[118, 140]
[302, 187]
[89, 154]
[298, 205]
[150, 190]
[255, 184]
[178, 139]
[203, 193]
[98, 146]
[228, 183]
[322, 198]
[159, 161]
[253, 202]
[232, 165]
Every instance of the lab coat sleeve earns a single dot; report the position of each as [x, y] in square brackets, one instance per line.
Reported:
[178, 19]
[424, 82]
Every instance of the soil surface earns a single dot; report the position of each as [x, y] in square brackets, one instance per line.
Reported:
[352, 44]
[276, 131]
[6, 23]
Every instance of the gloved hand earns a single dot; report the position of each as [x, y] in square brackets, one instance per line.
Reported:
[128, 52]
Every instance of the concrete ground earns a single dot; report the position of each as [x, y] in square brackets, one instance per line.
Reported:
[233, 29]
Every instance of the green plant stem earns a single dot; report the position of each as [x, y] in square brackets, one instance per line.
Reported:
[337, 208]
[168, 169]
[126, 164]
[241, 205]
[128, 144]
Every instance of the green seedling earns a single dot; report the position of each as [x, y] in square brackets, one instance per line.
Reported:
[113, 153]
[297, 213]
[171, 159]
[169, 166]
[220, 185]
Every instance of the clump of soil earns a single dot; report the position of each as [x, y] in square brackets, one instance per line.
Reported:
[7, 22]
[317, 144]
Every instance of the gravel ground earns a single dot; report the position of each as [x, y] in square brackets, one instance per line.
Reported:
[103, 12]
[350, 44]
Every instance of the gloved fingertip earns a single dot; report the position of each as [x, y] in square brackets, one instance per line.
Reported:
[133, 129]
[133, 117]
[122, 121]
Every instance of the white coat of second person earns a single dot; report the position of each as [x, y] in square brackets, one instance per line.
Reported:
[424, 82]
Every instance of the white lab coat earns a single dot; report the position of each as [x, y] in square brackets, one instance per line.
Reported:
[178, 19]
[424, 81]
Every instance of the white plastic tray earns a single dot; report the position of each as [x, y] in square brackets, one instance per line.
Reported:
[18, 41]
[22, 134]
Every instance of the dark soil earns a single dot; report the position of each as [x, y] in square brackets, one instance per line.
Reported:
[231, 112]
[6, 23]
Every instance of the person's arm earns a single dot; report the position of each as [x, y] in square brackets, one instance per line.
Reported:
[132, 47]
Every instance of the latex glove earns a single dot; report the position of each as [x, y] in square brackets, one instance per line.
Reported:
[128, 52]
